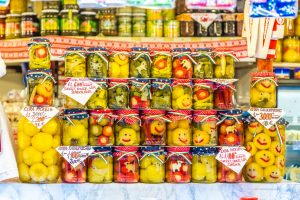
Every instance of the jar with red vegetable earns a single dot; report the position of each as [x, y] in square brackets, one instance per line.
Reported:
[72, 174]
[182, 63]
[224, 96]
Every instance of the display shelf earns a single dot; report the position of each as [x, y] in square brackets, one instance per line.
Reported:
[139, 191]
[286, 65]
[288, 82]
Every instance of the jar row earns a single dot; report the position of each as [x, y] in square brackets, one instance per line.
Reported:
[288, 50]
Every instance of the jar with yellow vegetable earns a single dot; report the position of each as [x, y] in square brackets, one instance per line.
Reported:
[118, 64]
[140, 62]
[152, 165]
[204, 165]
[75, 64]
[267, 149]
[97, 62]
[263, 90]
[13, 26]
[205, 132]
[161, 94]
[161, 65]
[179, 128]
[75, 127]
[140, 94]
[225, 65]
[278, 51]
[291, 49]
[297, 25]
[39, 53]
[40, 86]
[203, 94]
[127, 128]
[38, 160]
[17, 7]
[181, 94]
[100, 165]
[99, 99]
[204, 67]
[118, 94]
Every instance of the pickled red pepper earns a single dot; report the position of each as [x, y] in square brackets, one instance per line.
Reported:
[224, 96]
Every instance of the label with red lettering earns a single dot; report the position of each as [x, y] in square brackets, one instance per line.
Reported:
[266, 116]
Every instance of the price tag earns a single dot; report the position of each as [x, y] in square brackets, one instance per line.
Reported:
[39, 116]
[266, 116]
[205, 19]
[80, 89]
[223, 81]
[233, 157]
[75, 154]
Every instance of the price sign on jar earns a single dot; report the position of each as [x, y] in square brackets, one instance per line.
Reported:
[266, 116]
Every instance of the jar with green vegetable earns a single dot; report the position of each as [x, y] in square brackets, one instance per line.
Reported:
[225, 64]
[118, 93]
[140, 62]
[97, 62]
[75, 64]
[39, 53]
[69, 22]
[139, 25]
[161, 94]
[162, 65]
[124, 24]
[140, 94]
[50, 22]
[99, 99]
[88, 24]
[204, 63]
[13, 26]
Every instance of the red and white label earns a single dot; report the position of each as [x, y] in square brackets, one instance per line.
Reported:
[266, 116]
[205, 19]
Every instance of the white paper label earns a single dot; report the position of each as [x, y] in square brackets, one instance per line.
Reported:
[233, 157]
[80, 89]
[223, 81]
[266, 116]
[39, 116]
[205, 19]
[75, 154]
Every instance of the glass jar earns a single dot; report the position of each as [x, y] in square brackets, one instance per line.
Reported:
[72, 174]
[100, 165]
[178, 165]
[140, 94]
[139, 25]
[186, 25]
[118, 64]
[203, 94]
[225, 65]
[291, 49]
[118, 94]
[124, 25]
[75, 64]
[70, 103]
[140, 62]
[40, 86]
[161, 94]
[97, 62]
[205, 132]
[297, 25]
[154, 128]
[239, 24]
[126, 165]
[51, 5]
[127, 128]
[152, 165]
[99, 99]
[2, 27]
[69, 4]
[182, 63]
[215, 29]
[179, 128]
[181, 7]
[200, 30]
[204, 165]
[101, 130]
[17, 7]
[155, 28]
[204, 66]
[265, 65]
[231, 128]
[108, 23]
[13, 26]
[39, 53]
[30, 26]
[154, 14]
[182, 94]
[50, 22]
[136, 10]
[75, 128]
[278, 51]
[289, 27]
[267, 148]
[171, 28]
[263, 90]
[168, 14]
[161, 65]
[88, 24]
[224, 96]
[227, 175]
[229, 25]
[69, 22]
[38, 160]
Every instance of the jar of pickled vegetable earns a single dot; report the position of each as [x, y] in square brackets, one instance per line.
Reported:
[97, 62]
[69, 22]
[291, 49]
[154, 128]
[126, 165]
[263, 90]
[101, 130]
[155, 28]
[200, 30]
[289, 27]
[13, 26]
[297, 25]
[267, 148]
[227, 175]
[205, 128]
[229, 25]
[179, 128]
[265, 65]
[224, 96]
[100, 165]
[75, 128]
[178, 165]
[2, 27]
[225, 65]
[182, 94]
[108, 23]
[39, 53]
[154, 14]
[99, 99]
[40, 88]
[231, 128]
[152, 165]
[72, 174]
[50, 22]
[38, 160]
[204, 66]
[215, 29]
[75, 62]
[204, 165]
[30, 26]
[278, 51]
[118, 64]
[140, 62]
[186, 25]
[168, 14]
[124, 24]
[118, 93]
[127, 128]
[161, 65]
[161, 94]
[202, 94]
[17, 7]
[182, 63]
[139, 25]
[88, 24]
[140, 94]
[171, 28]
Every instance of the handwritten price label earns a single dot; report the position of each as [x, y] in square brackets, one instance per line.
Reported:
[39, 116]
[75, 154]
[266, 116]
[223, 81]
[80, 89]
[205, 19]
[233, 157]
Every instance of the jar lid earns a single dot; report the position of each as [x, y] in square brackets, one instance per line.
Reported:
[13, 15]
[178, 81]
[107, 111]
[28, 14]
[181, 49]
[139, 14]
[203, 49]
[179, 112]
[282, 121]
[67, 11]
[161, 80]
[97, 49]
[262, 74]
[205, 150]
[118, 80]
[127, 149]
[100, 149]
[88, 13]
[139, 80]
[50, 11]
[154, 112]
[203, 81]
[184, 17]
[178, 149]
[152, 148]
[76, 49]
[127, 112]
[140, 49]
[205, 112]
[231, 112]
[40, 40]
[74, 111]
